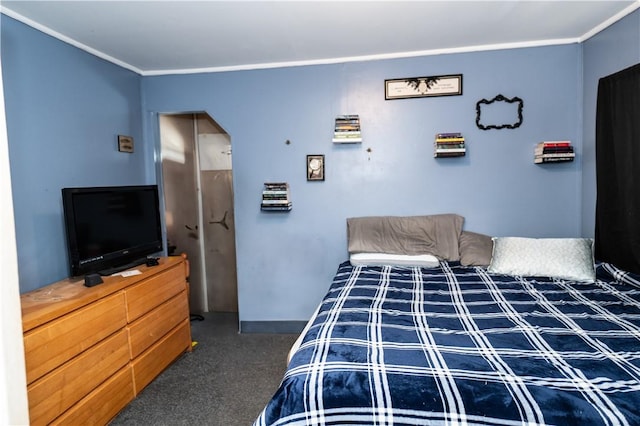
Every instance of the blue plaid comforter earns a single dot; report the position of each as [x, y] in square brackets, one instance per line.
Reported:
[456, 345]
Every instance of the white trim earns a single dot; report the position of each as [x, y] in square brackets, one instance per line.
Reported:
[396, 55]
[68, 40]
[615, 18]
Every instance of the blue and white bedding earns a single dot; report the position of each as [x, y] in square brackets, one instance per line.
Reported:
[455, 345]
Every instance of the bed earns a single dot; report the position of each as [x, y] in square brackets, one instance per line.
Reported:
[486, 331]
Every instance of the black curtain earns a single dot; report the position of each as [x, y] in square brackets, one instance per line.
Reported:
[617, 231]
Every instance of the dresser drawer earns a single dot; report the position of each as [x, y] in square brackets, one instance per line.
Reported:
[55, 392]
[145, 331]
[103, 404]
[146, 295]
[153, 361]
[52, 344]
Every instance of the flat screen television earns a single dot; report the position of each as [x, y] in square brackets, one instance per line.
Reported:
[110, 229]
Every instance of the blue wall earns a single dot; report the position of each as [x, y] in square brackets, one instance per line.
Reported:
[64, 110]
[285, 261]
[612, 50]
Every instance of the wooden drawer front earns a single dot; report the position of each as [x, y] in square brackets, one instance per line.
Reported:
[57, 391]
[143, 297]
[152, 362]
[103, 404]
[52, 344]
[145, 331]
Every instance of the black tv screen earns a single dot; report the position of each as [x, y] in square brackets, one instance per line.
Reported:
[111, 228]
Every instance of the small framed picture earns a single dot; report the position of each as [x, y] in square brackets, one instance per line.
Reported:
[125, 143]
[315, 167]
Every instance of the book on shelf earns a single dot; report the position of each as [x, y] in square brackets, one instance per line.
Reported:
[552, 160]
[450, 150]
[346, 132]
[348, 122]
[554, 143]
[278, 184]
[357, 135]
[561, 150]
[348, 118]
[449, 154]
[347, 126]
[449, 140]
[448, 135]
[276, 208]
[354, 135]
[556, 155]
[276, 202]
[554, 148]
[449, 145]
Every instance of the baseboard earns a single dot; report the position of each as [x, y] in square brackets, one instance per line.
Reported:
[278, 327]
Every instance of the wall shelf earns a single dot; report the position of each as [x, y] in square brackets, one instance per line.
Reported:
[275, 197]
[449, 145]
[553, 152]
[347, 129]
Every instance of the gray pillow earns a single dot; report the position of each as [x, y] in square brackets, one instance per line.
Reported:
[411, 235]
[475, 249]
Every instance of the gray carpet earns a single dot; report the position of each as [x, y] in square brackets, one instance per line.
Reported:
[226, 380]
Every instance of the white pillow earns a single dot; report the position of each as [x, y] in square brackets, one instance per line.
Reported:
[383, 259]
[565, 258]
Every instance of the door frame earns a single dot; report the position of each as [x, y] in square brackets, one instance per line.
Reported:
[203, 290]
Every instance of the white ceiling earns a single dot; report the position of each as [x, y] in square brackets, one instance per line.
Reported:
[164, 37]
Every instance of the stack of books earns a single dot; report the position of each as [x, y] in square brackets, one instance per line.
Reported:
[347, 129]
[553, 152]
[275, 197]
[449, 145]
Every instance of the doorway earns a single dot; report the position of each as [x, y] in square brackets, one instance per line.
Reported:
[197, 183]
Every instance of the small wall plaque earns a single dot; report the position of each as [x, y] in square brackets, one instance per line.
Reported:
[125, 143]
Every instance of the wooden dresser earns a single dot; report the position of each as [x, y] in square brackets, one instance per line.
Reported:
[90, 350]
